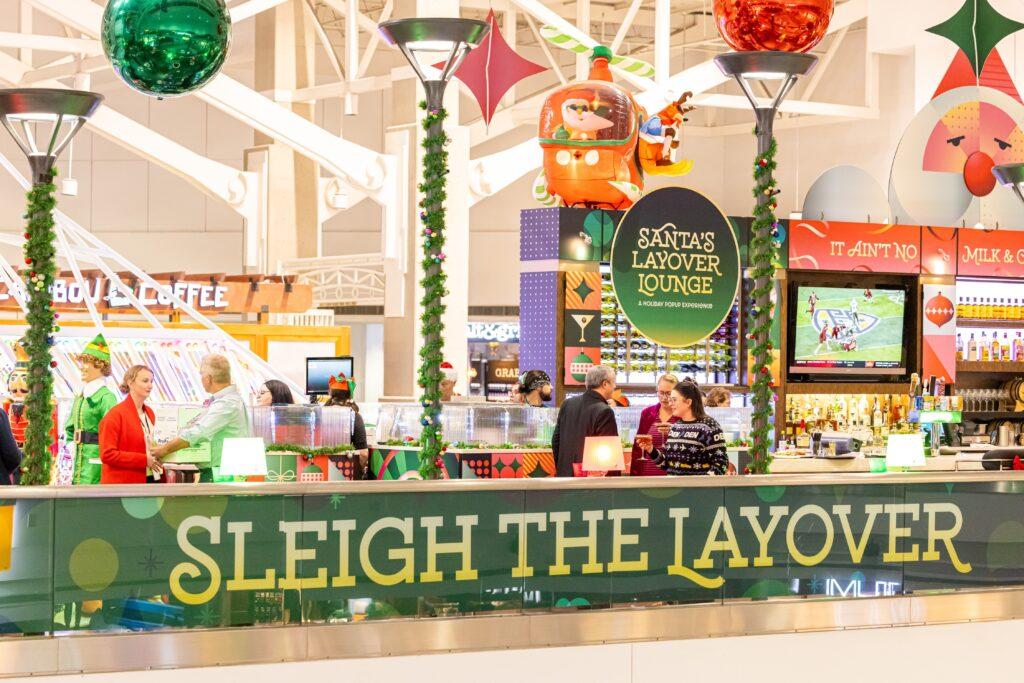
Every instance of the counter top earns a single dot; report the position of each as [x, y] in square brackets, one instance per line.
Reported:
[829, 476]
[941, 463]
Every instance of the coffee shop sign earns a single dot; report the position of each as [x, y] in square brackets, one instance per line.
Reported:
[492, 332]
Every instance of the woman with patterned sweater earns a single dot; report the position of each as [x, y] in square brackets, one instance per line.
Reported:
[695, 444]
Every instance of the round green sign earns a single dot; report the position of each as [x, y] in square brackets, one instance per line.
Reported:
[675, 266]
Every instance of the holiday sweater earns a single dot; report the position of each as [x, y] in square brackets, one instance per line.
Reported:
[696, 447]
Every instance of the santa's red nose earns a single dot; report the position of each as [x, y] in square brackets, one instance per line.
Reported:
[978, 174]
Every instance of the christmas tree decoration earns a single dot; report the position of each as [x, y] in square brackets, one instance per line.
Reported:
[413, 37]
[165, 49]
[782, 25]
[58, 114]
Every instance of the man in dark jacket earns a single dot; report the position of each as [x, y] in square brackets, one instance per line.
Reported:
[10, 454]
[581, 416]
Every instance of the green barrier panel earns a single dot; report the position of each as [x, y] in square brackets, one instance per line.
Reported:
[241, 559]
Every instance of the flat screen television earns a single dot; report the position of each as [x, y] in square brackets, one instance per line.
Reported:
[856, 331]
[319, 371]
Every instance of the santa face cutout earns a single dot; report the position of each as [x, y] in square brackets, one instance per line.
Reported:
[942, 171]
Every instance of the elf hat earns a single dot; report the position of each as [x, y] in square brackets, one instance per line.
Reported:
[341, 383]
[98, 349]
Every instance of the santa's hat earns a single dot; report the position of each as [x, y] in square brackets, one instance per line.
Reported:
[448, 372]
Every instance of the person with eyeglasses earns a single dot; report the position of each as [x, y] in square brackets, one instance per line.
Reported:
[274, 392]
[695, 443]
[654, 423]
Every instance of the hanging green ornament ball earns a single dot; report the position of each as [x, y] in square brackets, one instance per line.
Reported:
[166, 48]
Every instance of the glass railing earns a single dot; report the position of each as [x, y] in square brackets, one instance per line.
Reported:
[244, 555]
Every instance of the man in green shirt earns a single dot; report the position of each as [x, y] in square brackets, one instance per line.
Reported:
[90, 405]
[223, 417]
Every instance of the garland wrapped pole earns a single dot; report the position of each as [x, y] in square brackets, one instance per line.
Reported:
[42, 122]
[746, 67]
[435, 165]
[427, 38]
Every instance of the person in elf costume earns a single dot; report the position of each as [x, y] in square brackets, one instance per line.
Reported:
[14, 404]
[90, 406]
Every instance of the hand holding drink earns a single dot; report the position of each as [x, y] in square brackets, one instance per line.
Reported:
[645, 442]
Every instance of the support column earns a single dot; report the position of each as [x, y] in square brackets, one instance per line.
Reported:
[402, 337]
[285, 60]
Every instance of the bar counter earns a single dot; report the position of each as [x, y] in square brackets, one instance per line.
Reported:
[372, 565]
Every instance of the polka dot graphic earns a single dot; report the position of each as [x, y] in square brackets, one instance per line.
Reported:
[93, 565]
[142, 508]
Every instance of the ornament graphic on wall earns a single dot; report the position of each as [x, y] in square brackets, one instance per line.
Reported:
[583, 320]
[942, 171]
[939, 310]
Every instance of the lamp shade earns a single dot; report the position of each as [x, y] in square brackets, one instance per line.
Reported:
[449, 35]
[243, 457]
[603, 454]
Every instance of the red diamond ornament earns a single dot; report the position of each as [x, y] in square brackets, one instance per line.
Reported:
[492, 68]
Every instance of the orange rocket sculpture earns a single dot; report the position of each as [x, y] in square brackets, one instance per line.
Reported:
[598, 142]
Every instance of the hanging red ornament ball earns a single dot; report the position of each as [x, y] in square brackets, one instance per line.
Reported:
[28, 236]
[785, 25]
[28, 261]
[53, 363]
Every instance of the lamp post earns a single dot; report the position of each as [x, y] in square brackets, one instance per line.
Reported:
[1011, 176]
[417, 38]
[42, 122]
[749, 68]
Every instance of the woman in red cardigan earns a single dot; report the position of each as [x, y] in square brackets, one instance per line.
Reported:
[126, 431]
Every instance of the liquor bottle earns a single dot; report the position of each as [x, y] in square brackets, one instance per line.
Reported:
[972, 348]
[960, 307]
[876, 416]
[1018, 348]
[996, 352]
[984, 353]
[1006, 350]
[959, 347]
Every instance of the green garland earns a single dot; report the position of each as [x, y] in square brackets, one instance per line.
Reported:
[307, 452]
[435, 170]
[39, 271]
[763, 257]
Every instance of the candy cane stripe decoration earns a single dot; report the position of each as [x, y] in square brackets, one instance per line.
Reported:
[637, 67]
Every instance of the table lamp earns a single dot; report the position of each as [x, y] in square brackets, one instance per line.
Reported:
[243, 457]
[602, 454]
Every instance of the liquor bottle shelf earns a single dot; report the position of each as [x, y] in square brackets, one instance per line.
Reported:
[991, 324]
[987, 415]
[999, 367]
[795, 388]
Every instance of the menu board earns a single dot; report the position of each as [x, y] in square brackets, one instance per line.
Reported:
[170, 420]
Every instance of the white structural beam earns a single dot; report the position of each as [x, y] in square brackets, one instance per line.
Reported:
[212, 177]
[627, 23]
[662, 40]
[251, 8]
[35, 41]
[363, 168]
[65, 69]
[545, 14]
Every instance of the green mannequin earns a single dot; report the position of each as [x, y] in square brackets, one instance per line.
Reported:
[88, 409]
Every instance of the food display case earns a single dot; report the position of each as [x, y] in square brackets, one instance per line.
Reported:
[484, 441]
[307, 442]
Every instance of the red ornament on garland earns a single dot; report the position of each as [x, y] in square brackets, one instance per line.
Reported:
[785, 25]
